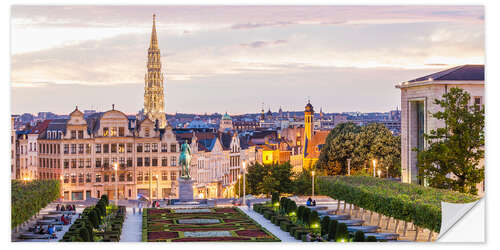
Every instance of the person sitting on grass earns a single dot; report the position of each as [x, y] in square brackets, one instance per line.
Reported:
[57, 207]
[309, 202]
[73, 208]
[314, 203]
[63, 208]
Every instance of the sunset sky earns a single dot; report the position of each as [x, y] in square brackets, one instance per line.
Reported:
[234, 58]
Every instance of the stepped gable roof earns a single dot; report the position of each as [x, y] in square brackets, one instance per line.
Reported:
[459, 73]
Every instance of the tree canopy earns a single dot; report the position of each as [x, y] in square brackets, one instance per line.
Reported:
[361, 145]
[454, 152]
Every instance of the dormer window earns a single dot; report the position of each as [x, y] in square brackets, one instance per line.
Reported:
[80, 134]
[121, 131]
[105, 131]
[73, 134]
[146, 132]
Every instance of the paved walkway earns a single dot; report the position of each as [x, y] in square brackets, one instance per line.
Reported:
[282, 235]
[132, 227]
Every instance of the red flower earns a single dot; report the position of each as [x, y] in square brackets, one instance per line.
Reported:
[194, 239]
[251, 233]
[162, 235]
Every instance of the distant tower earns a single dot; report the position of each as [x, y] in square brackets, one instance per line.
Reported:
[308, 123]
[154, 100]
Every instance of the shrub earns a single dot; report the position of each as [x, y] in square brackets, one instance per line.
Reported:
[305, 216]
[285, 225]
[300, 213]
[268, 214]
[371, 239]
[294, 228]
[342, 232]
[314, 219]
[275, 198]
[359, 236]
[299, 232]
[291, 207]
[304, 237]
[332, 229]
[324, 225]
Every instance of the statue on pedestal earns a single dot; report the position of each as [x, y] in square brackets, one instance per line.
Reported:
[185, 160]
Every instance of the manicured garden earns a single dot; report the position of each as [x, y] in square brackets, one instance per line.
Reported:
[408, 202]
[28, 198]
[304, 224]
[201, 224]
[102, 222]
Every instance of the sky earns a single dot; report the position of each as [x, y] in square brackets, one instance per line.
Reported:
[235, 59]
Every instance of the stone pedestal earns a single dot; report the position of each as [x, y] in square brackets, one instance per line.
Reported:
[185, 189]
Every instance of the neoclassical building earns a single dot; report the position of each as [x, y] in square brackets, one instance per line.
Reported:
[417, 107]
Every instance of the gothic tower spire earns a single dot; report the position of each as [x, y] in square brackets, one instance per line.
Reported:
[154, 99]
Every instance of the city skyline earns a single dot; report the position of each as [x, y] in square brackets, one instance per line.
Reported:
[278, 55]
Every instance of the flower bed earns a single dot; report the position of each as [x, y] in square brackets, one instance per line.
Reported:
[225, 224]
[409, 202]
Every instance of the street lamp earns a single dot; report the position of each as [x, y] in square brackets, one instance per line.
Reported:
[244, 184]
[157, 187]
[239, 185]
[115, 167]
[378, 172]
[374, 166]
[312, 174]
[387, 172]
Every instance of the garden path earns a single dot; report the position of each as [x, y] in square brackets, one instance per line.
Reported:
[132, 227]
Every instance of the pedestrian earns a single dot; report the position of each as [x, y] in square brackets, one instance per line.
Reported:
[140, 207]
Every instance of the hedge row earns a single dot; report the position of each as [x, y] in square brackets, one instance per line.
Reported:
[28, 198]
[409, 202]
[92, 218]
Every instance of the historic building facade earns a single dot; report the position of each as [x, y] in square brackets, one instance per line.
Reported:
[417, 107]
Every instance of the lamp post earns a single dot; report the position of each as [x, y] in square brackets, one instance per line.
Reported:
[239, 186]
[62, 180]
[244, 184]
[387, 172]
[349, 166]
[115, 167]
[157, 187]
[374, 166]
[312, 175]
[379, 172]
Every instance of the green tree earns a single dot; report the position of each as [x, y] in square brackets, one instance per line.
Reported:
[254, 177]
[454, 153]
[302, 183]
[339, 146]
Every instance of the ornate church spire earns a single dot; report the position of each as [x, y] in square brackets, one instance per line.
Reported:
[154, 100]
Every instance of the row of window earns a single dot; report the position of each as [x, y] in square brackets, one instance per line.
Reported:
[107, 162]
[87, 178]
[107, 148]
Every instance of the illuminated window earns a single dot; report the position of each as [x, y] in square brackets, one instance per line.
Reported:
[113, 131]
[129, 176]
[139, 176]
[105, 131]
[121, 148]
[113, 148]
[88, 148]
[173, 175]
[164, 176]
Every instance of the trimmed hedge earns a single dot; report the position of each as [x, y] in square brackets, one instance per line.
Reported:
[409, 202]
[27, 199]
